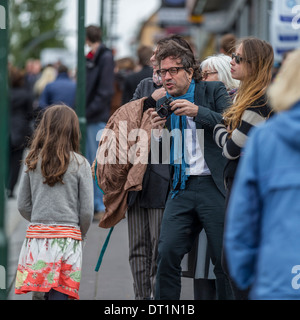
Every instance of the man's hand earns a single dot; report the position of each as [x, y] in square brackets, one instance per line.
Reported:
[159, 93]
[183, 107]
[156, 121]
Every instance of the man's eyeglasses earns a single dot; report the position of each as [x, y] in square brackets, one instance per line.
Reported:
[238, 59]
[205, 74]
[172, 71]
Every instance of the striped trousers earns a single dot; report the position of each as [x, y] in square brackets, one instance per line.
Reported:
[143, 234]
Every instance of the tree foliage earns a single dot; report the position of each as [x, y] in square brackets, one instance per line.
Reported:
[34, 25]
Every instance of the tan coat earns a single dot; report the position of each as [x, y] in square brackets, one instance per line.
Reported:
[117, 179]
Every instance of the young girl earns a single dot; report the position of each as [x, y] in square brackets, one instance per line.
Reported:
[252, 65]
[56, 197]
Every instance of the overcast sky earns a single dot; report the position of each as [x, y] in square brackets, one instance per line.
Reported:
[130, 13]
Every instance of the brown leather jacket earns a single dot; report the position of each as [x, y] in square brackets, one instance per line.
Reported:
[117, 173]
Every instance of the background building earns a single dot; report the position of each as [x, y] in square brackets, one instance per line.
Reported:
[203, 22]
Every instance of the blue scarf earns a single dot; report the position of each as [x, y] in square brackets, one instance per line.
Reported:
[177, 147]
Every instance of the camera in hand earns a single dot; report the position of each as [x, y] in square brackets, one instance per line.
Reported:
[164, 110]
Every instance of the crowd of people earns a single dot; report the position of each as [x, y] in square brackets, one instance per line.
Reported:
[219, 209]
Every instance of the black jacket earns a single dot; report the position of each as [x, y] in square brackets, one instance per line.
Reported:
[99, 85]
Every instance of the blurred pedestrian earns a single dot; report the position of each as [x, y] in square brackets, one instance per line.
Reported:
[227, 44]
[123, 68]
[99, 93]
[61, 91]
[131, 81]
[196, 199]
[214, 68]
[20, 129]
[48, 75]
[262, 230]
[56, 197]
[252, 65]
[32, 73]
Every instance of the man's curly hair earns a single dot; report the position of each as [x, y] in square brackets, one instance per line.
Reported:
[175, 51]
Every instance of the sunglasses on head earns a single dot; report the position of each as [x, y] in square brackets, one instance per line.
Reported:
[238, 59]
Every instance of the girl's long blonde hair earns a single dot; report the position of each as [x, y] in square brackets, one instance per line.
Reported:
[258, 56]
[57, 135]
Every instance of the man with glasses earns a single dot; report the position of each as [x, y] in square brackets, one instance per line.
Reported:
[197, 195]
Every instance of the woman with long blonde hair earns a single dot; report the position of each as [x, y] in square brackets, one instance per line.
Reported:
[252, 65]
[255, 78]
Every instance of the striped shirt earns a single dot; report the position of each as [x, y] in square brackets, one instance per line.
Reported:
[251, 117]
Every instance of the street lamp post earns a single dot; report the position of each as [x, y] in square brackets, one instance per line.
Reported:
[102, 20]
[81, 73]
[3, 141]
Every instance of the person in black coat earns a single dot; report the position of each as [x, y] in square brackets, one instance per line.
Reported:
[99, 93]
[21, 102]
[132, 81]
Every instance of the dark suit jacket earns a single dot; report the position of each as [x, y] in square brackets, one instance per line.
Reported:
[212, 99]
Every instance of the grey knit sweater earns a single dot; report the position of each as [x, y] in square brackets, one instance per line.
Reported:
[70, 203]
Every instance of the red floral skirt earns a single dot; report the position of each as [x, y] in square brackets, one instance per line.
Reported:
[50, 258]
